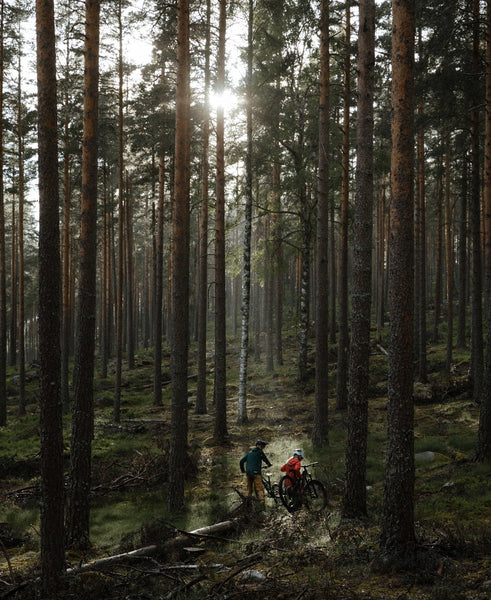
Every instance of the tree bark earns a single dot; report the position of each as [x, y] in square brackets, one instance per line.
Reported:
[477, 364]
[159, 289]
[448, 256]
[354, 500]
[483, 450]
[439, 251]
[246, 260]
[14, 290]
[202, 296]
[130, 295]
[278, 262]
[3, 287]
[462, 261]
[119, 293]
[397, 522]
[343, 335]
[220, 310]
[180, 270]
[305, 283]
[420, 252]
[78, 513]
[320, 431]
[52, 531]
[20, 152]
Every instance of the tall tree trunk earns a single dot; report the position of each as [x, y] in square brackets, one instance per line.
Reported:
[477, 361]
[268, 299]
[354, 499]
[381, 247]
[3, 287]
[483, 449]
[448, 256]
[180, 269]
[397, 522]
[130, 311]
[320, 430]
[66, 254]
[246, 268]
[462, 261]
[78, 512]
[420, 251]
[220, 310]
[119, 293]
[439, 250]
[343, 335]
[278, 263]
[306, 227]
[20, 144]
[159, 274]
[105, 274]
[52, 532]
[147, 273]
[202, 295]
[14, 289]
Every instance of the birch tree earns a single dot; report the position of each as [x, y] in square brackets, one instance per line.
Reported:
[246, 269]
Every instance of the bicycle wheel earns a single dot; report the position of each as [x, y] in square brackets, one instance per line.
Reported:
[288, 496]
[315, 496]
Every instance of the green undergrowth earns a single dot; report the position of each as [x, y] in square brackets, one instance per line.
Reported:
[117, 515]
[452, 493]
[21, 439]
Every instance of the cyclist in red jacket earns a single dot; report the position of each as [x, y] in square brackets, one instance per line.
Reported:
[292, 467]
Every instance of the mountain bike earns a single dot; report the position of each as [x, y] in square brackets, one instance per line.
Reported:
[272, 489]
[306, 491]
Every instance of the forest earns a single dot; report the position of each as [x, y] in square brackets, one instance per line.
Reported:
[229, 220]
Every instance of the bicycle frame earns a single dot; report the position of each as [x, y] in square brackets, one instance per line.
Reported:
[306, 475]
[269, 486]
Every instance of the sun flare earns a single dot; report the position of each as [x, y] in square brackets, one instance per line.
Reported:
[228, 100]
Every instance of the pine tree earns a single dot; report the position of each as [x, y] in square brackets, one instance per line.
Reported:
[180, 269]
[52, 493]
[78, 514]
[397, 523]
[320, 432]
[354, 499]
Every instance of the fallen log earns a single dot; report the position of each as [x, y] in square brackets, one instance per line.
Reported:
[147, 551]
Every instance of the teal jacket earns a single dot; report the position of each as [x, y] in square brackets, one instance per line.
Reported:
[251, 462]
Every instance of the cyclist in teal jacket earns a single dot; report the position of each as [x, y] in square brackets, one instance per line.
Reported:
[251, 464]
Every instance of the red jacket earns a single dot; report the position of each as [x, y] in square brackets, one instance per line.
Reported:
[292, 468]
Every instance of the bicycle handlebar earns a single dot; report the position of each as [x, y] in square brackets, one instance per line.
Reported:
[310, 465]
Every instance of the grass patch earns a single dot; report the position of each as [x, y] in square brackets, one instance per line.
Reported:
[21, 438]
[112, 446]
[430, 444]
[123, 514]
[19, 519]
[464, 443]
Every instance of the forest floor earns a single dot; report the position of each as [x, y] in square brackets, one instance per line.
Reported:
[254, 554]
